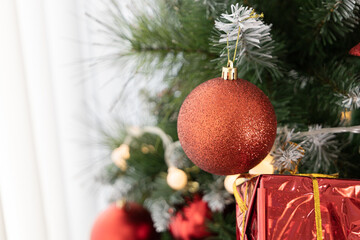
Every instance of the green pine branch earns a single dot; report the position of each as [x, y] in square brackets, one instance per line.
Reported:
[327, 21]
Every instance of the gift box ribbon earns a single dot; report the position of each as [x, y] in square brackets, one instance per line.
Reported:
[242, 205]
[243, 208]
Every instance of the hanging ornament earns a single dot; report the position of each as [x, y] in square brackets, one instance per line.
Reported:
[190, 222]
[229, 182]
[264, 167]
[355, 51]
[125, 221]
[146, 148]
[123, 151]
[176, 178]
[120, 155]
[193, 187]
[346, 117]
[227, 125]
[121, 163]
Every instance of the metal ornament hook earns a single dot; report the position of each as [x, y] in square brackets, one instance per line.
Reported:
[229, 72]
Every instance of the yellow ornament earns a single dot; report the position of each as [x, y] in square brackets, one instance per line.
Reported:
[145, 149]
[120, 155]
[121, 152]
[264, 167]
[346, 116]
[121, 163]
[124, 150]
[176, 178]
[193, 187]
[229, 182]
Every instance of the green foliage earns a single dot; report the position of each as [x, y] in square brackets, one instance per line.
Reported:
[349, 166]
[223, 225]
[327, 21]
[166, 236]
[310, 44]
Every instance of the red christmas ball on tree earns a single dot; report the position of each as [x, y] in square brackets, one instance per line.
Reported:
[190, 222]
[355, 51]
[226, 126]
[127, 222]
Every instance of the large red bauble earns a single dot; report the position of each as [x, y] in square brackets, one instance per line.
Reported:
[129, 222]
[226, 127]
[190, 222]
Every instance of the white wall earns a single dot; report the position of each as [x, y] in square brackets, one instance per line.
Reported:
[41, 143]
[65, 54]
[19, 179]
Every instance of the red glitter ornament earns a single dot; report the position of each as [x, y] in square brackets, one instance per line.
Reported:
[190, 222]
[128, 222]
[355, 50]
[226, 126]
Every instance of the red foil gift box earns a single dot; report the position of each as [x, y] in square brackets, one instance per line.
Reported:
[312, 207]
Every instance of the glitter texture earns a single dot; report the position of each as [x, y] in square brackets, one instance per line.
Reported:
[226, 127]
[355, 51]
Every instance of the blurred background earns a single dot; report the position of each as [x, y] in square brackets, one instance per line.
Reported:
[51, 98]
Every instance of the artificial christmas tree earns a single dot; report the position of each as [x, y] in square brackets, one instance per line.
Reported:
[297, 55]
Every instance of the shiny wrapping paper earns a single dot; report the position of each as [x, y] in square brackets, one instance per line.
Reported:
[282, 207]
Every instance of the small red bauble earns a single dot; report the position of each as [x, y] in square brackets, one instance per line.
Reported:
[129, 222]
[190, 222]
[355, 51]
[226, 126]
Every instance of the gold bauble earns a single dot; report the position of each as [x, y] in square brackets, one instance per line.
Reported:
[176, 178]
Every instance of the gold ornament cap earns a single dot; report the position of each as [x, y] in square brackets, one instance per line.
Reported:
[229, 72]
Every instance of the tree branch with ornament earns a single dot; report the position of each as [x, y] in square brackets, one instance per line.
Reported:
[297, 110]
